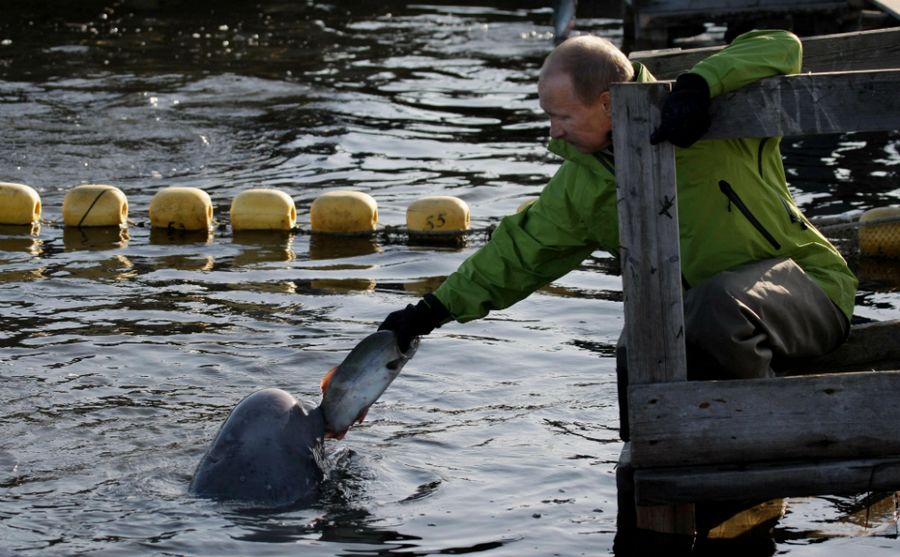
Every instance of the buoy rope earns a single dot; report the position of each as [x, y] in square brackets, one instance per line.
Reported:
[842, 232]
[87, 212]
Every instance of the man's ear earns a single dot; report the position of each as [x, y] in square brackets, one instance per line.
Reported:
[605, 99]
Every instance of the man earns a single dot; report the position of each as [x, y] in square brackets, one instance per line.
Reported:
[763, 286]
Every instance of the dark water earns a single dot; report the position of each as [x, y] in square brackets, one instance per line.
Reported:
[122, 354]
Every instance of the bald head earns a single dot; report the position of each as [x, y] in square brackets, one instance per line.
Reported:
[592, 63]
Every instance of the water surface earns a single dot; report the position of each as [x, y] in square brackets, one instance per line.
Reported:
[122, 353]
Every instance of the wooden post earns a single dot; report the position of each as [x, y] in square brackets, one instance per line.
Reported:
[650, 257]
[648, 237]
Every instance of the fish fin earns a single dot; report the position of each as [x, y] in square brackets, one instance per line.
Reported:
[327, 379]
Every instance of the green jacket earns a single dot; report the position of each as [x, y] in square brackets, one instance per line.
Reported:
[734, 206]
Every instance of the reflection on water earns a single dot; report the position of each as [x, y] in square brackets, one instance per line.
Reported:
[95, 238]
[263, 247]
[328, 247]
[172, 236]
[121, 351]
[879, 274]
[20, 239]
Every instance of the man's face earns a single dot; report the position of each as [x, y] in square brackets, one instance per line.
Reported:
[585, 126]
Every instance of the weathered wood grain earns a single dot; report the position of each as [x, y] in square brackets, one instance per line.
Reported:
[809, 105]
[766, 480]
[715, 7]
[863, 50]
[841, 415]
[648, 234]
[676, 518]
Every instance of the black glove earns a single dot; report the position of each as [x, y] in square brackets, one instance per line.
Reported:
[685, 115]
[415, 320]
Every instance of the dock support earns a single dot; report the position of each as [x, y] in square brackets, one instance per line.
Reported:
[651, 270]
[840, 428]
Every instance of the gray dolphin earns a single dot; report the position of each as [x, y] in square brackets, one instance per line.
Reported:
[267, 452]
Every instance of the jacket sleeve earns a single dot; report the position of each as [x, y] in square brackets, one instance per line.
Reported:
[751, 57]
[527, 251]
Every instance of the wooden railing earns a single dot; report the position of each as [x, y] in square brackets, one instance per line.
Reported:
[715, 440]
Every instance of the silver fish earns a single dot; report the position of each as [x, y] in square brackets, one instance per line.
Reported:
[352, 387]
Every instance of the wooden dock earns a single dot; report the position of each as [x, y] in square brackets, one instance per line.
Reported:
[701, 441]
[656, 23]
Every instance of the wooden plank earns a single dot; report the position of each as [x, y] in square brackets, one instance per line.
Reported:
[649, 13]
[648, 236]
[710, 7]
[809, 105]
[865, 50]
[890, 6]
[871, 346]
[765, 481]
[841, 415]
[671, 519]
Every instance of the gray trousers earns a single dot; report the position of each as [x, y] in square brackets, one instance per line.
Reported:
[750, 322]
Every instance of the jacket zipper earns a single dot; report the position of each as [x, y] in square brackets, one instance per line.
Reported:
[735, 200]
[793, 215]
[759, 159]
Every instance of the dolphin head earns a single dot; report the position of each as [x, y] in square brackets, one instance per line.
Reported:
[265, 454]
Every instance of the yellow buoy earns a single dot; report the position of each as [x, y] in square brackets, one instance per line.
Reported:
[344, 212]
[879, 232]
[95, 205]
[181, 208]
[263, 209]
[437, 216]
[19, 204]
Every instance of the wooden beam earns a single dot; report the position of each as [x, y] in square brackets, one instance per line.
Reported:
[667, 518]
[809, 105]
[834, 416]
[765, 481]
[648, 236]
[707, 8]
[864, 50]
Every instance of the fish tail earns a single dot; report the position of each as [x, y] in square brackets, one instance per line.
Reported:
[326, 381]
